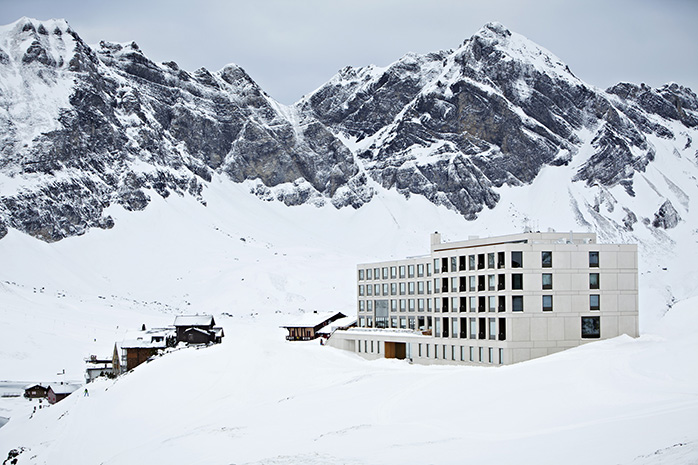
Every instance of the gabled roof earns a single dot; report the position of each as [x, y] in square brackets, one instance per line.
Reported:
[311, 320]
[29, 386]
[198, 330]
[194, 320]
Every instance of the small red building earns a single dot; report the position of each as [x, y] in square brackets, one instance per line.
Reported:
[58, 392]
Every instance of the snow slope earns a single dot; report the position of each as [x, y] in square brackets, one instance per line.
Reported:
[257, 398]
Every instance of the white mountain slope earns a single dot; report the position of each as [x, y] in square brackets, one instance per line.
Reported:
[259, 399]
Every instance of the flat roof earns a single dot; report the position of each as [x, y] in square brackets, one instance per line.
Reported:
[310, 320]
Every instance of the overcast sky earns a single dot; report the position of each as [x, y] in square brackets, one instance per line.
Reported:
[292, 47]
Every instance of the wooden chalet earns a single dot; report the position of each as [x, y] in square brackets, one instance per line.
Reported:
[58, 392]
[197, 329]
[35, 391]
[307, 327]
[139, 346]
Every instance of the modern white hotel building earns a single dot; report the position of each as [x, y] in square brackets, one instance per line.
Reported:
[497, 301]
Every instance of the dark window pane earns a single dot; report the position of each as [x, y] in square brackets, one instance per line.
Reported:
[591, 327]
[517, 259]
[517, 281]
[594, 259]
[593, 280]
[517, 303]
[546, 259]
[547, 281]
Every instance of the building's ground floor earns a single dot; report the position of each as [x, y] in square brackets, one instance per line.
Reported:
[487, 340]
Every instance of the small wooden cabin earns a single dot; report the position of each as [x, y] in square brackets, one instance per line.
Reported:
[197, 329]
[35, 391]
[58, 392]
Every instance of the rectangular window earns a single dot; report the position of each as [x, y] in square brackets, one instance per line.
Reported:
[420, 270]
[473, 283]
[429, 287]
[492, 323]
[444, 304]
[402, 288]
[479, 351]
[453, 352]
[369, 305]
[471, 262]
[369, 289]
[403, 305]
[473, 329]
[502, 306]
[482, 328]
[481, 283]
[410, 288]
[462, 287]
[393, 272]
[454, 327]
[420, 323]
[393, 288]
[517, 281]
[437, 331]
[419, 350]
[369, 274]
[593, 280]
[444, 264]
[461, 263]
[403, 322]
[437, 305]
[444, 284]
[428, 269]
[361, 289]
[490, 355]
[420, 287]
[462, 353]
[481, 304]
[376, 289]
[437, 286]
[369, 321]
[429, 305]
[361, 275]
[517, 303]
[371, 346]
[426, 349]
[502, 329]
[491, 282]
[490, 260]
[517, 259]
[454, 304]
[402, 271]
[362, 305]
[393, 322]
[591, 327]
[393, 305]
[420, 305]
[481, 261]
[463, 304]
[385, 272]
[501, 356]
[410, 271]
[593, 259]
[500, 260]
[454, 284]
[547, 279]
[411, 323]
[546, 259]
[547, 303]
[492, 303]
[594, 303]
[472, 353]
[410, 306]
[501, 282]
[454, 264]
[473, 303]
[385, 289]
[436, 265]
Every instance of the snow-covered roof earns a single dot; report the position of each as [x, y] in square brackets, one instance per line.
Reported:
[310, 320]
[29, 386]
[194, 320]
[63, 388]
[142, 344]
[341, 323]
[198, 330]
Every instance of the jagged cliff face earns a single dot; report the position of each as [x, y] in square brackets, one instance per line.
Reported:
[454, 126]
[83, 128]
[118, 127]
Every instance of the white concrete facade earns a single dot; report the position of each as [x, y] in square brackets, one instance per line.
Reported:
[499, 300]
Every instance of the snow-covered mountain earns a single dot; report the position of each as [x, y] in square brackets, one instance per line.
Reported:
[86, 127]
[178, 186]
